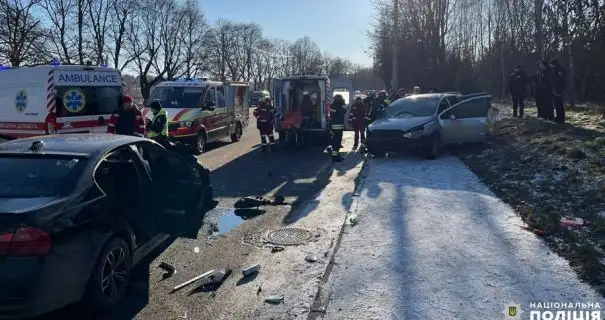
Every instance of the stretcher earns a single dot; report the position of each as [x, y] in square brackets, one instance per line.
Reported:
[290, 131]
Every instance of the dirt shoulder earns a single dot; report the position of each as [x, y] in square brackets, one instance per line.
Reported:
[547, 171]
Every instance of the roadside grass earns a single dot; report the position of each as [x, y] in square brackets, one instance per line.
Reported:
[547, 171]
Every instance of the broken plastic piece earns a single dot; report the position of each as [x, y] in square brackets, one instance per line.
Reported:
[572, 222]
[274, 299]
[192, 280]
[353, 219]
[311, 258]
[216, 277]
[275, 249]
[251, 270]
[169, 270]
[251, 202]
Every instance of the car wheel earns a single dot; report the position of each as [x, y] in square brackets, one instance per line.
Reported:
[111, 276]
[237, 135]
[434, 148]
[200, 143]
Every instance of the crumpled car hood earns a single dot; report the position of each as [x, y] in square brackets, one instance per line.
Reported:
[399, 123]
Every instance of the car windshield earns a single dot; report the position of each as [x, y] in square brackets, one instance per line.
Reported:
[33, 177]
[178, 97]
[415, 106]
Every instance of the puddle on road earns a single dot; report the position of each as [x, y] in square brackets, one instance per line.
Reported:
[232, 218]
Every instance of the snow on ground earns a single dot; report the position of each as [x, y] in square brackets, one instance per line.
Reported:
[432, 242]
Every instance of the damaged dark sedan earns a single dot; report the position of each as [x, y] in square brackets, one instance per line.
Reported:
[77, 212]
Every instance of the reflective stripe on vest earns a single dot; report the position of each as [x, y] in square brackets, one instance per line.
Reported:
[338, 126]
[153, 134]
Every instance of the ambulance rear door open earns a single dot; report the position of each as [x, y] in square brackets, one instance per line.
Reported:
[85, 99]
[278, 101]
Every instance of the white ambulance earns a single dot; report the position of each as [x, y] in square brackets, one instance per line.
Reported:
[56, 98]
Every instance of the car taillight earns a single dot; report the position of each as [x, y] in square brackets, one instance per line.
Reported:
[25, 241]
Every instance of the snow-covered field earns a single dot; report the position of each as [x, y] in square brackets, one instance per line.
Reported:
[432, 242]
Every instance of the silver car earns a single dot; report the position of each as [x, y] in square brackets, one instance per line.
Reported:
[429, 122]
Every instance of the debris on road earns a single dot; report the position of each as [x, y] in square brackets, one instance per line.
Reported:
[196, 249]
[192, 280]
[572, 222]
[537, 232]
[215, 279]
[275, 249]
[311, 258]
[169, 270]
[353, 219]
[246, 272]
[255, 202]
[251, 202]
[274, 299]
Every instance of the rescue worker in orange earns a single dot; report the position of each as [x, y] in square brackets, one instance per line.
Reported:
[358, 118]
[127, 120]
[265, 115]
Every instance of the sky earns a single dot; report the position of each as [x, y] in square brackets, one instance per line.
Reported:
[338, 27]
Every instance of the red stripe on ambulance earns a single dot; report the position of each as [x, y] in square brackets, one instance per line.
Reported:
[179, 115]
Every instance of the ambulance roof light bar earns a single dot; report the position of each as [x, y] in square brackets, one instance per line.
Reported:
[3, 67]
[55, 63]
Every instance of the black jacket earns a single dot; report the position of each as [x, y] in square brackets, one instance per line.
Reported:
[544, 82]
[559, 79]
[517, 84]
[337, 114]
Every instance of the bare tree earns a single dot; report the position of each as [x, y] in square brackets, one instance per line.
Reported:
[307, 56]
[120, 28]
[193, 39]
[59, 13]
[99, 18]
[22, 38]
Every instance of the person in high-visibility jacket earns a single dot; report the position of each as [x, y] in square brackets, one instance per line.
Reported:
[157, 127]
[337, 124]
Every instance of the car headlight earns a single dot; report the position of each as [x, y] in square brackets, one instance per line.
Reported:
[415, 132]
[186, 124]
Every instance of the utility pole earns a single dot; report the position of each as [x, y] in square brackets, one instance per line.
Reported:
[395, 38]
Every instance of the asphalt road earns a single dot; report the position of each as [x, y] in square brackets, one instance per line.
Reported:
[238, 170]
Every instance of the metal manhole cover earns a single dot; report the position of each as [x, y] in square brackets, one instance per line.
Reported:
[289, 236]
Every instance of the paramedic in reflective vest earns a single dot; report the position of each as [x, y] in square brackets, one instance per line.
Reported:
[127, 120]
[337, 124]
[358, 118]
[265, 113]
[157, 128]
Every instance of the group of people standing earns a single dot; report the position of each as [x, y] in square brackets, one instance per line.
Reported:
[362, 113]
[550, 82]
[128, 120]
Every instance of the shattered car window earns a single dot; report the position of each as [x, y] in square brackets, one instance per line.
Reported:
[29, 177]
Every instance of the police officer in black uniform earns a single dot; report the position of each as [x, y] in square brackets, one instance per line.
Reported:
[337, 125]
[517, 85]
[544, 91]
[559, 81]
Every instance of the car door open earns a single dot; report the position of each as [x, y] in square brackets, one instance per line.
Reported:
[173, 192]
[465, 121]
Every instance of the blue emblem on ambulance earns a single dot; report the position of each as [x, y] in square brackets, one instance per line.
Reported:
[74, 100]
[21, 101]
